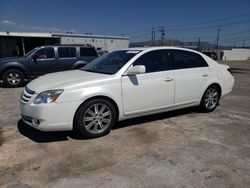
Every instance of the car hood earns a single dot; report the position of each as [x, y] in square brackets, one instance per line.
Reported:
[65, 80]
[11, 59]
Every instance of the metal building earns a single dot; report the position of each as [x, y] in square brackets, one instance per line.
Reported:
[236, 54]
[19, 43]
[103, 42]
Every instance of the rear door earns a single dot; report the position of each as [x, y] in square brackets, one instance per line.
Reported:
[87, 54]
[191, 75]
[66, 58]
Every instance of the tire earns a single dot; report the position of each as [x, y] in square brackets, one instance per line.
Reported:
[210, 99]
[79, 67]
[13, 78]
[95, 118]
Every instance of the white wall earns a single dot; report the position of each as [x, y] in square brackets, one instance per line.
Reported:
[236, 54]
[108, 44]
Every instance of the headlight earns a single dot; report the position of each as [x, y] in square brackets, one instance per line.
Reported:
[48, 96]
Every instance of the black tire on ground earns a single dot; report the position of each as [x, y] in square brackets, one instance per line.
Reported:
[210, 99]
[78, 67]
[13, 78]
[80, 126]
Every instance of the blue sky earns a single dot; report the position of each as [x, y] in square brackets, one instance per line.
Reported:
[184, 20]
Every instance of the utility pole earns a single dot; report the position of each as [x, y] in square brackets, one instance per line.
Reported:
[199, 44]
[163, 32]
[243, 45]
[217, 44]
[153, 37]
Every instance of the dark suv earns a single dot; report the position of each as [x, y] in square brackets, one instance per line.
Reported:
[43, 60]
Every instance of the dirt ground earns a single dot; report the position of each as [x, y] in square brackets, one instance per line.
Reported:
[183, 148]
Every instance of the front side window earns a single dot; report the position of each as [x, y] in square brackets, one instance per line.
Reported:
[66, 52]
[30, 52]
[87, 52]
[155, 61]
[184, 59]
[110, 63]
[45, 53]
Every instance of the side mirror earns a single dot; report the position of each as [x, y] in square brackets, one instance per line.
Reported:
[138, 69]
[34, 57]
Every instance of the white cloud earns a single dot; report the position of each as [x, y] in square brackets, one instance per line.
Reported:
[73, 30]
[44, 29]
[7, 22]
[37, 28]
[22, 27]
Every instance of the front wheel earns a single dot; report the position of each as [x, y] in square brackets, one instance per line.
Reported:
[13, 78]
[210, 99]
[95, 118]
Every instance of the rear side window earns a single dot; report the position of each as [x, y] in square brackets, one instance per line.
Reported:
[155, 61]
[184, 60]
[87, 52]
[66, 52]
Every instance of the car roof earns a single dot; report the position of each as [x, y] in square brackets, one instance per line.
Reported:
[69, 45]
[160, 48]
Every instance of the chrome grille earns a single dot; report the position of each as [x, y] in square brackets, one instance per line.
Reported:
[26, 95]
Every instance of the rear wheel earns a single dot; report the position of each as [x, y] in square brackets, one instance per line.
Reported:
[95, 118]
[13, 78]
[210, 99]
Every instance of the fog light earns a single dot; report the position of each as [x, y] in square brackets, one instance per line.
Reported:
[35, 122]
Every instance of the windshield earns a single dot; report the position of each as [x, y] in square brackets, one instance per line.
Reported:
[110, 63]
[30, 52]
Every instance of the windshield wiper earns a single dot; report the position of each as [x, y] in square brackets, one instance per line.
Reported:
[96, 71]
[89, 70]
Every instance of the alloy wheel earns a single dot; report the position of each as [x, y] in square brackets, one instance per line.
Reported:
[211, 98]
[97, 118]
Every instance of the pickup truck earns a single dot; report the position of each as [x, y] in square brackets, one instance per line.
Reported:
[42, 60]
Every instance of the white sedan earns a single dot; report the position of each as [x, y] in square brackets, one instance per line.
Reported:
[121, 85]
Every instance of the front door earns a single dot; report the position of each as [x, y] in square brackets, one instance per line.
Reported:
[43, 62]
[153, 90]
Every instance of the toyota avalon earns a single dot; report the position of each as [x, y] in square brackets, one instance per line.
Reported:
[121, 85]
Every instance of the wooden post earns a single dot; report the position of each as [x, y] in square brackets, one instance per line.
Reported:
[23, 46]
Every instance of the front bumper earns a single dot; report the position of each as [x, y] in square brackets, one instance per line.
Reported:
[49, 117]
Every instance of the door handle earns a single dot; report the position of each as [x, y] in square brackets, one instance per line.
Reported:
[205, 75]
[168, 79]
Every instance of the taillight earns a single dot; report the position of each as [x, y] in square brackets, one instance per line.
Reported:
[230, 70]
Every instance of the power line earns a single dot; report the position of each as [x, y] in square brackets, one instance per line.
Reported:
[239, 32]
[235, 38]
[140, 36]
[210, 26]
[213, 36]
[180, 27]
[231, 39]
[136, 32]
[147, 32]
[213, 21]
